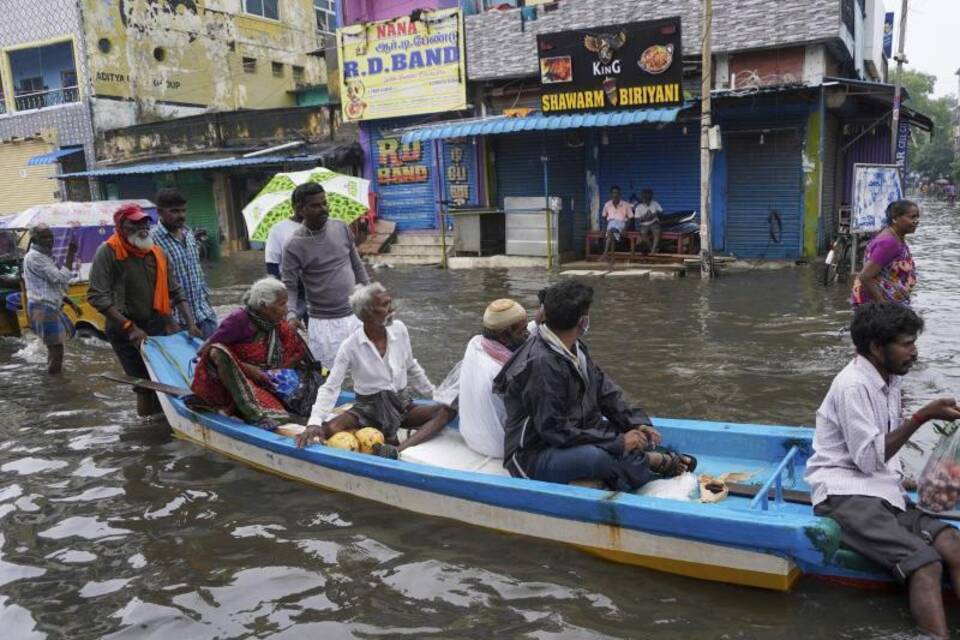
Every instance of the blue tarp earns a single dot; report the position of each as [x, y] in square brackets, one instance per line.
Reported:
[538, 122]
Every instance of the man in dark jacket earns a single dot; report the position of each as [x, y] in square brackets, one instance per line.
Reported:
[566, 419]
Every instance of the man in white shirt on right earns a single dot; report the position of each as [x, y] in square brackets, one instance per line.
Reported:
[482, 413]
[855, 474]
[646, 215]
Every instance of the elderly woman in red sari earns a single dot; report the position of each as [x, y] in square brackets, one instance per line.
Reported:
[238, 365]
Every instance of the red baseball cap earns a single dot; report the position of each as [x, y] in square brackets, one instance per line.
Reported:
[131, 212]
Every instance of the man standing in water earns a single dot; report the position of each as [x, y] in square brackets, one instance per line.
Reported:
[180, 247]
[323, 256]
[855, 474]
[132, 285]
[46, 285]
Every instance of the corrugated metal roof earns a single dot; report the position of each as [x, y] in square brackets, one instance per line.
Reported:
[53, 156]
[196, 165]
[496, 125]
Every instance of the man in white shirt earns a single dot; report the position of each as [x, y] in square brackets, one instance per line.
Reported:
[379, 359]
[482, 413]
[276, 239]
[616, 212]
[647, 218]
[855, 474]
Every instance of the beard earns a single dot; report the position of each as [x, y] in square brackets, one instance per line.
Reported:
[144, 243]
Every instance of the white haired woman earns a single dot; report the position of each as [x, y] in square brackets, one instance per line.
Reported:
[380, 362]
[238, 364]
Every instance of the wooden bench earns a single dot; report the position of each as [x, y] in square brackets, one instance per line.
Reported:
[686, 243]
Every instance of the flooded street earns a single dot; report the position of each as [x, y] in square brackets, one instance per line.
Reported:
[110, 527]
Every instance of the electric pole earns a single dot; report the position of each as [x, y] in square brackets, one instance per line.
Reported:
[706, 82]
[897, 88]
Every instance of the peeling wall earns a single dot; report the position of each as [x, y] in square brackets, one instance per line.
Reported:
[158, 59]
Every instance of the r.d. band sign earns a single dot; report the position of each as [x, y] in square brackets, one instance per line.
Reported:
[625, 66]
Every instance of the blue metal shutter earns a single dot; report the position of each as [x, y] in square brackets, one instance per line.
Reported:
[520, 172]
[665, 160]
[762, 178]
[412, 206]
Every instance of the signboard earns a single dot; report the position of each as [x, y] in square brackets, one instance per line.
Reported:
[630, 65]
[403, 67]
[888, 34]
[903, 135]
[874, 187]
[460, 172]
[405, 179]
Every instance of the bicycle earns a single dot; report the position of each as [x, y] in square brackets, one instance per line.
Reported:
[836, 266]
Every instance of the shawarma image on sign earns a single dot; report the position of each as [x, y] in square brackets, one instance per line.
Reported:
[556, 69]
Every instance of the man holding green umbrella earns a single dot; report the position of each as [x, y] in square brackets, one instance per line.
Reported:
[323, 256]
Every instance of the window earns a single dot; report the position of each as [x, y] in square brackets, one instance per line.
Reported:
[262, 8]
[3, 98]
[44, 76]
[249, 65]
[297, 75]
[277, 68]
[326, 16]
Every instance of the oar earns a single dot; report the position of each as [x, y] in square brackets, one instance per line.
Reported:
[150, 385]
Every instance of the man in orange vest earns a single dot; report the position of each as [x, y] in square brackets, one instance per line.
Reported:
[132, 285]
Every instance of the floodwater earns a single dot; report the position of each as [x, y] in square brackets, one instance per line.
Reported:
[110, 527]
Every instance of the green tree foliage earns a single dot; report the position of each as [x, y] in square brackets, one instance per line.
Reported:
[932, 157]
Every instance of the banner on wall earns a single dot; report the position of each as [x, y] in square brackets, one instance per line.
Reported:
[634, 65]
[460, 172]
[874, 187]
[403, 67]
[888, 34]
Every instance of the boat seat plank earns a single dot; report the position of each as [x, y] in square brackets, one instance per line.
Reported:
[450, 451]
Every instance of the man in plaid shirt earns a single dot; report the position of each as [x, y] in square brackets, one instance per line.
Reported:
[178, 243]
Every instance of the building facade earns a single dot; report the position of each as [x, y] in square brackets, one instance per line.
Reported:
[799, 95]
[71, 70]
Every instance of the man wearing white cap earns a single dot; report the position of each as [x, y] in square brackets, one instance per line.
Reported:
[482, 413]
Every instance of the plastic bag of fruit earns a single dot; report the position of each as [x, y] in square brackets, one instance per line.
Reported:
[939, 485]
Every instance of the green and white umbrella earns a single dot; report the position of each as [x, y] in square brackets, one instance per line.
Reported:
[346, 199]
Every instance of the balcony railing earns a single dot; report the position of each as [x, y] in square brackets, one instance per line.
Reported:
[40, 99]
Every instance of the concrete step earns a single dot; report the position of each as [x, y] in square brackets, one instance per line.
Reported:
[414, 250]
[421, 239]
[401, 260]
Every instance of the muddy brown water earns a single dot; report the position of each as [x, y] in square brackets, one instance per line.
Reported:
[110, 527]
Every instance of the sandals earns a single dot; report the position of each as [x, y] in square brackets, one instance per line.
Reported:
[672, 459]
[385, 451]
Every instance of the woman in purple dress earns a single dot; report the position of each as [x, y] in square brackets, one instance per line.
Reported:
[889, 273]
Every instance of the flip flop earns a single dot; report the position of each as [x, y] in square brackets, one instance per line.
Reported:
[670, 467]
[385, 451]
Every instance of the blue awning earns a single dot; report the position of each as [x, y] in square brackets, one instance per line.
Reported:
[496, 125]
[53, 156]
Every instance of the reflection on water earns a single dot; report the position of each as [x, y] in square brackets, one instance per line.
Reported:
[109, 527]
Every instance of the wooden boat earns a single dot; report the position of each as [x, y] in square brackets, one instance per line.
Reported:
[763, 541]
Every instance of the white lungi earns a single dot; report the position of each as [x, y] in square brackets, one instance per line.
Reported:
[326, 336]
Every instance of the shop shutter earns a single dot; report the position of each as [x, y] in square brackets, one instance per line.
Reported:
[830, 204]
[520, 172]
[763, 178]
[665, 160]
